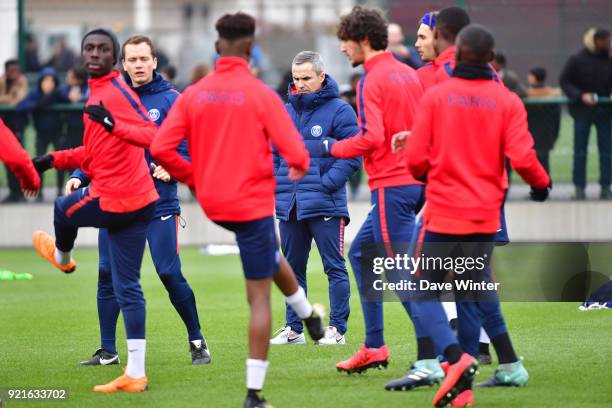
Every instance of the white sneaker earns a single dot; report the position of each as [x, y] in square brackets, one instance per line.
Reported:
[288, 336]
[331, 337]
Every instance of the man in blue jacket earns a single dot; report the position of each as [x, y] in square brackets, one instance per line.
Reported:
[315, 207]
[158, 96]
[47, 123]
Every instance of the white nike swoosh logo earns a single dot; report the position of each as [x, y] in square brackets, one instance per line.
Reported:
[108, 122]
[166, 217]
[327, 218]
[499, 230]
[110, 360]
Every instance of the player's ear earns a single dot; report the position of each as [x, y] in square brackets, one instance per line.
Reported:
[250, 45]
[154, 63]
[217, 48]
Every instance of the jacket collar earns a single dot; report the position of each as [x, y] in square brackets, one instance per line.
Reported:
[329, 90]
[372, 62]
[228, 64]
[446, 56]
[96, 82]
[157, 84]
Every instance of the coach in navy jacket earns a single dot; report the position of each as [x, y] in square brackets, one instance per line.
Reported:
[315, 207]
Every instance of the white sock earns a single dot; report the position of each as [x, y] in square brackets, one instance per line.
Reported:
[136, 358]
[61, 257]
[256, 373]
[197, 343]
[300, 305]
[483, 337]
[451, 310]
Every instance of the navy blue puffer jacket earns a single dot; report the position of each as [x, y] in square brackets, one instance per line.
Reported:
[322, 191]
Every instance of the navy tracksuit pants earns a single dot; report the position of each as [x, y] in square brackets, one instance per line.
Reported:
[470, 314]
[126, 242]
[162, 237]
[389, 225]
[328, 234]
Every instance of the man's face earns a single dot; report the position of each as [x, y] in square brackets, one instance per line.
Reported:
[13, 72]
[305, 79]
[531, 79]
[425, 43]
[395, 35]
[603, 46]
[139, 63]
[354, 52]
[98, 55]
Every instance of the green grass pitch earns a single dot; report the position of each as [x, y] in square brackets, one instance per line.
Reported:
[49, 324]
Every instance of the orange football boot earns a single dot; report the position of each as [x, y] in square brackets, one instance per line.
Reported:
[45, 246]
[124, 383]
[365, 358]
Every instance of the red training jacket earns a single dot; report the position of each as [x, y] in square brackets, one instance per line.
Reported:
[17, 159]
[115, 163]
[445, 63]
[465, 167]
[427, 75]
[230, 118]
[387, 98]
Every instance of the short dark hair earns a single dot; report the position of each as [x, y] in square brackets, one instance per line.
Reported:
[235, 26]
[450, 21]
[539, 73]
[364, 23]
[10, 62]
[478, 39]
[601, 34]
[501, 59]
[138, 39]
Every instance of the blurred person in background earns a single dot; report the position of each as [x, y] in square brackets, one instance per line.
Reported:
[199, 71]
[13, 88]
[75, 91]
[32, 63]
[63, 58]
[47, 123]
[586, 77]
[350, 96]
[544, 119]
[399, 49]
[169, 73]
[508, 77]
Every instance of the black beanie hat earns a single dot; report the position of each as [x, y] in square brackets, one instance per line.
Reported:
[109, 34]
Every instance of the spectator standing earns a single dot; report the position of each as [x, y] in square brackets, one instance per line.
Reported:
[47, 123]
[508, 77]
[543, 118]
[75, 91]
[586, 77]
[399, 50]
[350, 96]
[13, 88]
[63, 58]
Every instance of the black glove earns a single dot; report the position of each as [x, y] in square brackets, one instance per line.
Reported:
[540, 194]
[326, 146]
[98, 113]
[42, 163]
